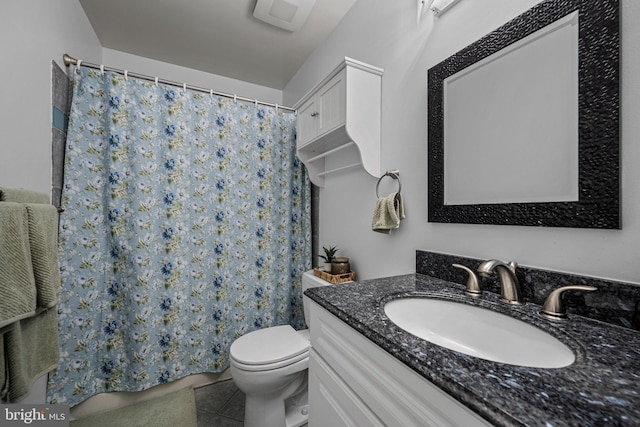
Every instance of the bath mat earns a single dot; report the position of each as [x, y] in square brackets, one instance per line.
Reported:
[172, 410]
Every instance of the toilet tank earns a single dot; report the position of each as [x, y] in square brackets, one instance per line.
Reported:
[310, 280]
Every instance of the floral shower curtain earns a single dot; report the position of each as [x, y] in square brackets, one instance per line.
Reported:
[187, 225]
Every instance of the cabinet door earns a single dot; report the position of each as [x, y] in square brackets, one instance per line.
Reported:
[332, 103]
[333, 402]
[307, 122]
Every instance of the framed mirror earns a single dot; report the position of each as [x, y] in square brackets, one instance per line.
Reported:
[524, 123]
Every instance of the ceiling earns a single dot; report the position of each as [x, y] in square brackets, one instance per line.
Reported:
[216, 36]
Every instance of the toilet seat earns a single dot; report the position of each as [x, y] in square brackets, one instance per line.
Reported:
[269, 348]
[273, 366]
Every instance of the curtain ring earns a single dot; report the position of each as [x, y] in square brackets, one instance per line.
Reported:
[235, 98]
[395, 174]
[78, 64]
[102, 69]
[156, 80]
[126, 75]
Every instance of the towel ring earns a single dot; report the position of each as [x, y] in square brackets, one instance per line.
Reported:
[395, 174]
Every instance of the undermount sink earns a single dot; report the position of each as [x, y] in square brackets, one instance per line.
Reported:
[479, 332]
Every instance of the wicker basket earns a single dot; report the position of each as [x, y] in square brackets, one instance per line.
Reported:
[335, 278]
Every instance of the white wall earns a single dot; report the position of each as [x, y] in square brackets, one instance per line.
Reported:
[176, 73]
[385, 34]
[32, 34]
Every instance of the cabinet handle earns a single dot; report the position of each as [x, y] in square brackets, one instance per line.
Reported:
[315, 114]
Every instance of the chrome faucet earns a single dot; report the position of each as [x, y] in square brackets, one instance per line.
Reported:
[509, 286]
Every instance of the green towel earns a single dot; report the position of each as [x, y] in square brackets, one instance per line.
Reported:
[29, 277]
[388, 213]
[4, 386]
[43, 243]
[31, 350]
[17, 282]
[172, 410]
[20, 195]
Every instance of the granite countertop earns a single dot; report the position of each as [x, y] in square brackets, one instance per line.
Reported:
[602, 387]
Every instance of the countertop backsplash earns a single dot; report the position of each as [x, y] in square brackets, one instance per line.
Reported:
[616, 303]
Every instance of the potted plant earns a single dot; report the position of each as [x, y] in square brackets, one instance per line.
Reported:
[329, 254]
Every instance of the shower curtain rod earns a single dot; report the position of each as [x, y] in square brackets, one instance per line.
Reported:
[69, 60]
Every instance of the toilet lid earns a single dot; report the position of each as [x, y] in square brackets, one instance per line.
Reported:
[268, 345]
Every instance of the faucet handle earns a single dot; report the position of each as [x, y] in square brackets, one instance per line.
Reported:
[553, 308]
[473, 284]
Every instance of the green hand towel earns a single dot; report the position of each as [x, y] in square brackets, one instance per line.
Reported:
[17, 283]
[32, 350]
[4, 385]
[388, 213]
[20, 195]
[43, 243]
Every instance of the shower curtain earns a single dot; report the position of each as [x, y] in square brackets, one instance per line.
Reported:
[187, 225]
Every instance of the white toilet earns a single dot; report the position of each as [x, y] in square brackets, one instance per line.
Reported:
[270, 366]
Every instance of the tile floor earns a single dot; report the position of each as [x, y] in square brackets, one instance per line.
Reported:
[220, 405]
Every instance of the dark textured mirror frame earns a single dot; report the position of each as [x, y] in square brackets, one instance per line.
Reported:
[598, 204]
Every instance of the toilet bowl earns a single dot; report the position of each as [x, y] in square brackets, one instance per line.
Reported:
[270, 366]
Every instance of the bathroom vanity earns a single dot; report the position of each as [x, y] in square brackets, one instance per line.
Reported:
[354, 382]
[365, 370]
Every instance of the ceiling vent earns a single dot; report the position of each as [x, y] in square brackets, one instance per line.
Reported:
[289, 15]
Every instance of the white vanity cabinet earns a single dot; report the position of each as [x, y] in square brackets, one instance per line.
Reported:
[341, 112]
[353, 382]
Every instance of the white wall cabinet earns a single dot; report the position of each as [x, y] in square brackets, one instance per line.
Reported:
[353, 382]
[341, 111]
